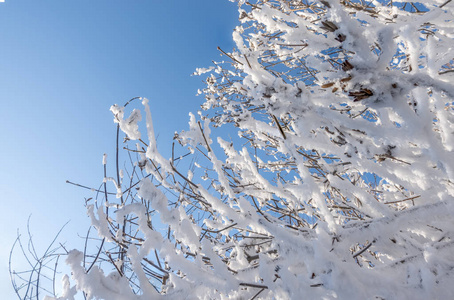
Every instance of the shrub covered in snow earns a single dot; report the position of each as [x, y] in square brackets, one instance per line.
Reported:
[339, 185]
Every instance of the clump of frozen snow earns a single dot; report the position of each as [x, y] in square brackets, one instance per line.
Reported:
[129, 126]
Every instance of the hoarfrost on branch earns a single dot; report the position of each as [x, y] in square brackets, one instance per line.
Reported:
[339, 185]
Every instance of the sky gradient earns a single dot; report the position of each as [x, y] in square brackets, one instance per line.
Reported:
[62, 65]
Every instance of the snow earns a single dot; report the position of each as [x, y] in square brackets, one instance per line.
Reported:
[336, 191]
[129, 126]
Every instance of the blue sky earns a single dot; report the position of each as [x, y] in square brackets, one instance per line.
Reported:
[62, 65]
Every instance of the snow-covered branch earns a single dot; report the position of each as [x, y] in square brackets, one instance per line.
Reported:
[340, 183]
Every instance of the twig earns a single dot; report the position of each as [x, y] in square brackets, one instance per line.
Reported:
[407, 199]
[86, 243]
[88, 188]
[203, 134]
[115, 265]
[220, 230]
[255, 296]
[55, 273]
[316, 285]
[126, 104]
[259, 210]
[362, 251]
[97, 255]
[247, 60]
[258, 286]
[184, 177]
[231, 57]
[279, 126]
[441, 6]
[444, 72]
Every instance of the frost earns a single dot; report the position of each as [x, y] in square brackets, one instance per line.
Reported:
[338, 183]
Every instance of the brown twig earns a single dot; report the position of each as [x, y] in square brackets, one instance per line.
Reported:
[441, 6]
[407, 199]
[231, 57]
[279, 126]
[362, 251]
[203, 134]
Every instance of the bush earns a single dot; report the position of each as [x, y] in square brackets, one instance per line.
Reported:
[339, 185]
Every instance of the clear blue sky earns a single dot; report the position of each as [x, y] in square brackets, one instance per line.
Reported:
[62, 65]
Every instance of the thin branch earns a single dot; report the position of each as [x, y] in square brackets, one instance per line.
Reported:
[231, 57]
[441, 6]
[362, 250]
